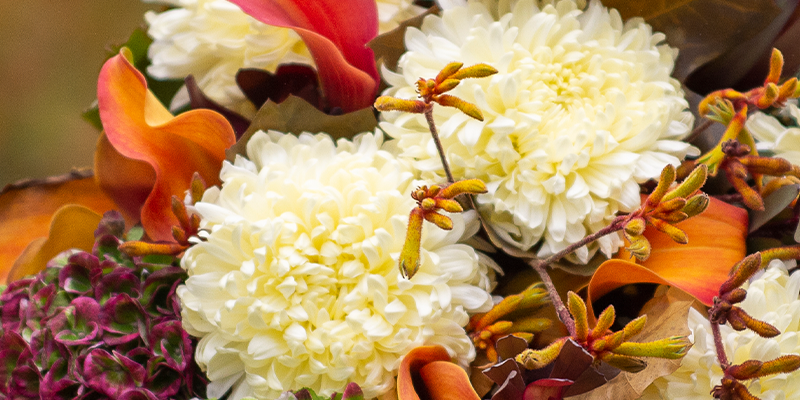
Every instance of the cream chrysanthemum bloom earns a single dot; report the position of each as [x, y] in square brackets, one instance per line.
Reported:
[772, 297]
[772, 136]
[298, 282]
[213, 39]
[583, 108]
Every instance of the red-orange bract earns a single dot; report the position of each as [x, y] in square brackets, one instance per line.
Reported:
[336, 33]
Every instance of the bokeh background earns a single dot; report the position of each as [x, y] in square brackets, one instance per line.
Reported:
[50, 54]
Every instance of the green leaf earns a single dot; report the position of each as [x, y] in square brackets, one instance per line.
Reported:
[135, 233]
[295, 115]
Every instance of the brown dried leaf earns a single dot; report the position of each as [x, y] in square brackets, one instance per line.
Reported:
[667, 315]
[295, 115]
[703, 30]
[389, 46]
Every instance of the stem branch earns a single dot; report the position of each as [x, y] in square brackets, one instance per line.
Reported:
[721, 356]
[540, 266]
[563, 314]
[615, 225]
[439, 148]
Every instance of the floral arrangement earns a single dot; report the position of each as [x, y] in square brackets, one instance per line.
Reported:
[405, 199]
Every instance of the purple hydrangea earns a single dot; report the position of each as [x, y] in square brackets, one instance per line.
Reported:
[98, 325]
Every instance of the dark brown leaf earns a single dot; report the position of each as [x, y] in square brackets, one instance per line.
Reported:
[389, 46]
[198, 99]
[289, 79]
[704, 30]
[776, 202]
[295, 115]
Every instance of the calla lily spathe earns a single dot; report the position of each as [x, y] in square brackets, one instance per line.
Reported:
[138, 127]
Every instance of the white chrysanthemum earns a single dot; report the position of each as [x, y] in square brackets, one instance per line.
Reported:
[298, 282]
[772, 297]
[213, 39]
[583, 108]
[772, 136]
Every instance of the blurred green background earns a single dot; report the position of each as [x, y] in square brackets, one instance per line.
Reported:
[50, 54]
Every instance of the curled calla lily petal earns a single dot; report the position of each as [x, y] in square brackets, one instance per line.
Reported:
[716, 243]
[26, 209]
[336, 33]
[72, 227]
[139, 127]
[431, 367]
[125, 180]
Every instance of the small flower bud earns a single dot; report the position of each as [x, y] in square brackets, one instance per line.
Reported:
[500, 327]
[604, 322]
[198, 187]
[410, 255]
[781, 365]
[465, 107]
[740, 319]
[472, 186]
[673, 232]
[639, 248]
[768, 97]
[535, 359]
[428, 204]
[634, 327]
[673, 348]
[696, 205]
[775, 67]
[774, 166]
[447, 85]
[669, 205]
[439, 220]
[137, 248]
[475, 71]
[448, 205]
[577, 308]
[448, 71]
[609, 342]
[742, 271]
[745, 370]
[692, 183]
[635, 227]
[387, 103]
[532, 324]
[735, 296]
[788, 88]
[667, 178]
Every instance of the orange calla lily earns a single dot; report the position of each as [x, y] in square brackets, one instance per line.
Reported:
[140, 128]
[431, 368]
[72, 227]
[26, 210]
[716, 243]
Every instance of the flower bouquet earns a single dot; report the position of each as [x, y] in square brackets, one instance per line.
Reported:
[480, 199]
